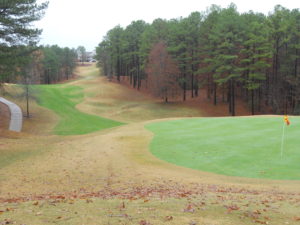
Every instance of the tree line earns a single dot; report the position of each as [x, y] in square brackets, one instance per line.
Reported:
[21, 60]
[250, 56]
[38, 65]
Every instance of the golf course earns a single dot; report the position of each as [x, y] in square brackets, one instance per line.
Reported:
[94, 151]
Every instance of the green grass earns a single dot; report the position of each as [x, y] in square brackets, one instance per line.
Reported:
[246, 147]
[62, 99]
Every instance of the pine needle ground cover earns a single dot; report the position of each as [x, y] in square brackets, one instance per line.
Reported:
[62, 99]
[244, 146]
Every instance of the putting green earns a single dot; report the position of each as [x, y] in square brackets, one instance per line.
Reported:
[242, 146]
[62, 99]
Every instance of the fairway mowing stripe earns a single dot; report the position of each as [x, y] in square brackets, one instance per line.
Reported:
[62, 99]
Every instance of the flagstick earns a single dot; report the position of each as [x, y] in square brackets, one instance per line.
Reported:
[282, 139]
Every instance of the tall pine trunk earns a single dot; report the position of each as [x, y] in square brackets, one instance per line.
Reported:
[192, 85]
[184, 86]
[231, 96]
[196, 87]
[252, 101]
[233, 99]
[229, 99]
[208, 87]
[215, 94]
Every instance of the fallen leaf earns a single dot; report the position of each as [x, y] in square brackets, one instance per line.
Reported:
[296, 218]
[6, 221]
[232, 207]
[168, 218]
[60, 197]
[257, 212]
[260, 222]
[144, 222]
[189, 208]
[35, 203]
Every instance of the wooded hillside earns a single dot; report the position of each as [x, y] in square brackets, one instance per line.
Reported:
[232, 55]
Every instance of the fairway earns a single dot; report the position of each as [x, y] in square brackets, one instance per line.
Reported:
[243, 146]
[62, 99]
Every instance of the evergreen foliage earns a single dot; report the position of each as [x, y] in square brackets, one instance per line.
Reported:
[16, 17]
[248, 56]
[17, 36]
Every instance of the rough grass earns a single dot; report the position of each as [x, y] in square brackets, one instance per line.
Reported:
[62, 99]
[118, 102]
[244, 146]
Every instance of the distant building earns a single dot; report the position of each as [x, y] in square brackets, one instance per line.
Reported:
[90, 56]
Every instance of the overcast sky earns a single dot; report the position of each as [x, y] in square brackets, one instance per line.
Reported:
[70, 23]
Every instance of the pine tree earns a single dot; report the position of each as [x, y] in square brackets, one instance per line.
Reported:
[16, 17]
[256, 54]
[227, 50]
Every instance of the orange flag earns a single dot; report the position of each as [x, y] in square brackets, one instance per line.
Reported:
[286, 120]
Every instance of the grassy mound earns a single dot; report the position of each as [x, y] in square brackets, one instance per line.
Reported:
[62, 99]
[245, 146]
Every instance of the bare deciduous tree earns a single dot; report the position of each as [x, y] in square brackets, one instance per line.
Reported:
[162, 73]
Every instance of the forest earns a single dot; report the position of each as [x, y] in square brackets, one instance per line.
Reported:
[37, 65]
[249, 56]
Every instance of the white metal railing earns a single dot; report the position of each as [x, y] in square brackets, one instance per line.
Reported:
[16, 115]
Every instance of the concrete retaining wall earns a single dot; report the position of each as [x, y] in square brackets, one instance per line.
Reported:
[16, 115]
[4, 116]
